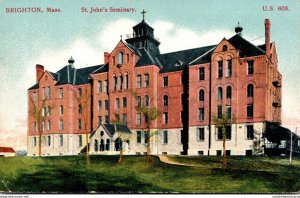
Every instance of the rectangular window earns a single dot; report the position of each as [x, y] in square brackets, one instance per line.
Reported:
[100, 105]
[106, 104]
[165, 81]
[139, 81]
[79, 92]
[220, 133]
[34, 126]
[99, 86]
[124, 102]
[117, 103]
[99, 120]
[146, 136]
[34, 96]
[138, 119]
[61, 93]
[220, 69]
[229, 68]
[43, 125]
[61, 125]
[115, 83]
[228, 112]
[79, 124]
[121, 82]
[49, 125]
[124, 119]
[201, 134]
[219, 111]
[106, 119]
[34, 141]
[79, 109]
[139, 137]
[147, 80]
[106, 86]
[49, 93]
[61, 110]
[61, 140]
[44, 93]
[201, 73]
[80, 140]
[250, 67]
[250, 111]
[49, 140]
[228, 133]
[165, 117]
[201, 114]
[165, 137]
[49, 111]
[126, 82]
[250, 132]
[44, 111]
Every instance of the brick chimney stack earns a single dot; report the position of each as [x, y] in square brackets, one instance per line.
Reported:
[39, 72]
[106, 57]
[267, 36]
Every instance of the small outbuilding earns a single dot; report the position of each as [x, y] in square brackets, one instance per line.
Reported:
[7, 152]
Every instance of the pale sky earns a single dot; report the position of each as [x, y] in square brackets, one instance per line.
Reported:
[50, 39]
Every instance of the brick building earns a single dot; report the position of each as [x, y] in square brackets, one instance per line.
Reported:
[189, 87]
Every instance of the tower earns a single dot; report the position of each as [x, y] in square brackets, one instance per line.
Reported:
[143, 37]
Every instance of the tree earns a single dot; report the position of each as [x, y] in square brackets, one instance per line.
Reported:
[39, 113]
[150, 114]
[223, 123]
[122, 136]
[83, 99]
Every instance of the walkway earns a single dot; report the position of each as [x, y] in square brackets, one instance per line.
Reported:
[165, 159]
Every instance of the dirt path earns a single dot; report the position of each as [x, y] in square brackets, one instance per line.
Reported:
[165, 159]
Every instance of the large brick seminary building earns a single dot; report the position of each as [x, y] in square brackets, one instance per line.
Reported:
[188, 87]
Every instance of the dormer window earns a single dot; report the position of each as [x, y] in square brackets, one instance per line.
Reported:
[120, 58]
[178, 63]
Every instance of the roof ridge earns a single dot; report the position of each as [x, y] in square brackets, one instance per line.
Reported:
[205, 53]
[248, 42]
[189, 49]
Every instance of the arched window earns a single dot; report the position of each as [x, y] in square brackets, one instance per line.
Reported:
[102, 145]
[147, 101]
[201, 95]
[139, 101]
[166, 102]
[107, 144]
[250, 90]
[120, 58]
[96, 145]
[224, 48]
[228, 92]
[220, 93]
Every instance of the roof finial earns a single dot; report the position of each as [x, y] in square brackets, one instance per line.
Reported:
[238, 29]
[143, 13]
[121, 37]
[71, 60]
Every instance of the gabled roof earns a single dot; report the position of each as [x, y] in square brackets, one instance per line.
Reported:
[120, 128]
[7, 150]
[110, 129]
[71, 75]
[245, 47]
[146, 58]
[101, 69]
[169, 60]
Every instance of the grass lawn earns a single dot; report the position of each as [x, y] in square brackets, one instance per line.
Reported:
[69, 174]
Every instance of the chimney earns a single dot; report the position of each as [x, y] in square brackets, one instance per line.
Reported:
[267, 36]
[39, 72]
[106, 57]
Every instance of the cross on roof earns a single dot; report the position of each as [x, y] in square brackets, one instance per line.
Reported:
[143, 13]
